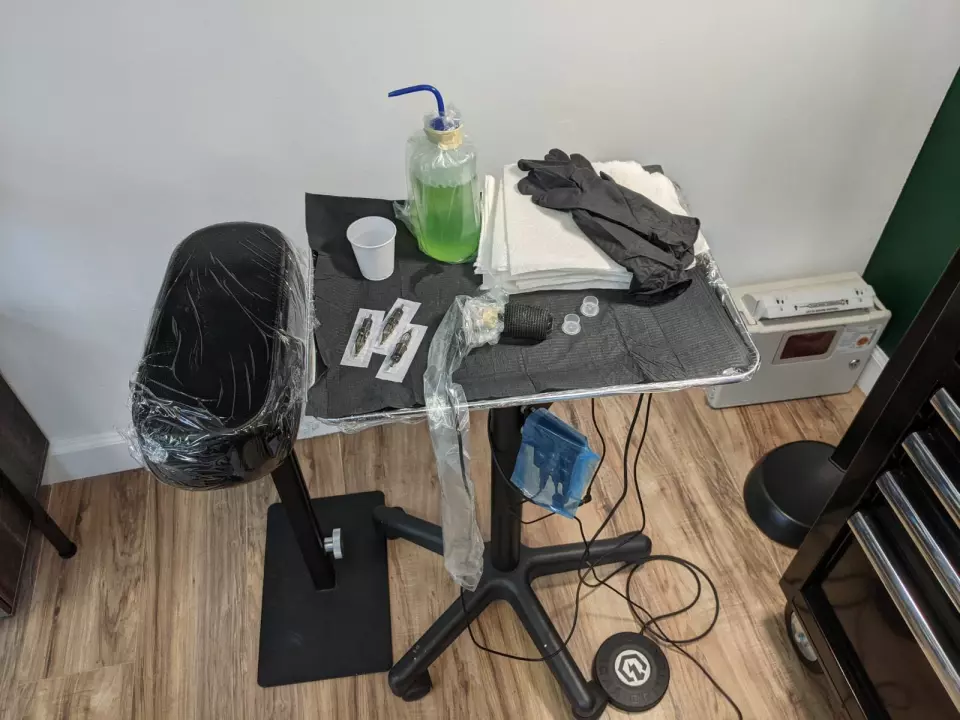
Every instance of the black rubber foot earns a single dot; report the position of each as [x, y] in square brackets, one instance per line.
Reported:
[70, 552]
[418, 689]
[788, 488]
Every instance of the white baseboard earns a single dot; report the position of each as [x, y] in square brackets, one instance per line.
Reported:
[87, 456]
[107, 453]
[868, 378]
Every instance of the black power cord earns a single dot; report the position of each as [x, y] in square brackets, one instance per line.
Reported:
[649, 623]
[587, 497]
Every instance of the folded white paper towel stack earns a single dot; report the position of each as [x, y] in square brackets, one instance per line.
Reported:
[524, 247]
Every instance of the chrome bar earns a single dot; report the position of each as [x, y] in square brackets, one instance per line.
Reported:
[918, 447]
[947, 409]
[937, 560]
[885, 565]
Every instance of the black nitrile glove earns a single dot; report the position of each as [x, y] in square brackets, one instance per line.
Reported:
[651, 242]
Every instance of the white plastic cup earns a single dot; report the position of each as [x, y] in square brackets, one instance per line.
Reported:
[372, 239]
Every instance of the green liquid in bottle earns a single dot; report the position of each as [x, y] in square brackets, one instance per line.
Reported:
[448, 221]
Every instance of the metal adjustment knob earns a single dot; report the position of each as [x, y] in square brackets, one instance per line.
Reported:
[333, 545]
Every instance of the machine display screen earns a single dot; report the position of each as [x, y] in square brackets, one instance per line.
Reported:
[805, 345]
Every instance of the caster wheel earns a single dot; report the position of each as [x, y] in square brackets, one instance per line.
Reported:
[801, 643]
[599, 704]
[389, 534]
[418, 689]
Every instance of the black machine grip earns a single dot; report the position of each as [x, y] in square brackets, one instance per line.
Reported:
[525, 324]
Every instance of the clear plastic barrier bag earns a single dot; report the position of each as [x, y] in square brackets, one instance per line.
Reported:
[554, 465]
[443, 208]
[469, 323]
[217, 397]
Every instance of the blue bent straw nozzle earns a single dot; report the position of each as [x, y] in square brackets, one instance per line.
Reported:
[438, 121]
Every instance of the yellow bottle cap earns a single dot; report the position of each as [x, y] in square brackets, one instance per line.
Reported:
[445, 139]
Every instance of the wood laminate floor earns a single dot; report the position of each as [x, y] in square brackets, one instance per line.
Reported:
[158, 614]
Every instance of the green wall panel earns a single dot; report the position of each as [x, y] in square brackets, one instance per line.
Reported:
[923, 230]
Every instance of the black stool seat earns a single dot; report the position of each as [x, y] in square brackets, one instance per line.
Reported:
[219, 393]
[788, 488]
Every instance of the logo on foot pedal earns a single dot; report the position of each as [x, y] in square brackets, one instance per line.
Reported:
[632, 668]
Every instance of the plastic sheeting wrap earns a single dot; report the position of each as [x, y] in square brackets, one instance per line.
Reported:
[218, 394]
[443, 192]
[469, 323]
[695, 340]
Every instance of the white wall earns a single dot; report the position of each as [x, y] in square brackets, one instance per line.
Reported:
[124, 125]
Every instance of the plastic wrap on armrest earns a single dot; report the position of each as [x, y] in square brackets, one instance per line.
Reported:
[218, 395]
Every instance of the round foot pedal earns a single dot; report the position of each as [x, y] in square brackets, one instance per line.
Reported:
[632, 670]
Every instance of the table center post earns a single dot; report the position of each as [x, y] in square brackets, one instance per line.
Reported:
[506, 502]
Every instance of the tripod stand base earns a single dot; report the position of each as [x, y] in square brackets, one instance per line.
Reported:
[308, 634]
[410, 678]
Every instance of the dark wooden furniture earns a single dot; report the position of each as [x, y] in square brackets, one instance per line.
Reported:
[23, 450]
[875, 584]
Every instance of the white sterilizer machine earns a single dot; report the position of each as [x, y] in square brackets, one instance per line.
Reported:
[814, 335]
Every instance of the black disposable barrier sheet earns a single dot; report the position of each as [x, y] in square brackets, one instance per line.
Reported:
[689, 338]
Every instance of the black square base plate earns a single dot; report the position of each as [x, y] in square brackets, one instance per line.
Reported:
[308, 634]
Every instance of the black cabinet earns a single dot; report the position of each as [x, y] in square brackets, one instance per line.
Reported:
[891, 659]
[23, 451]
[876, 583]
